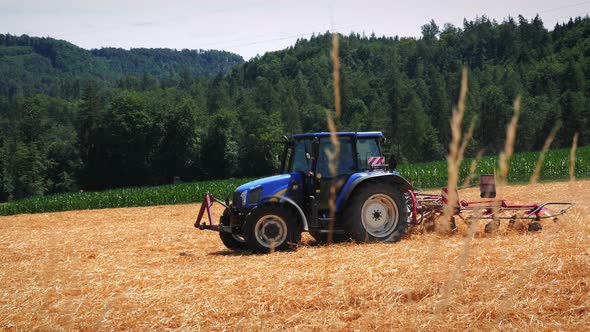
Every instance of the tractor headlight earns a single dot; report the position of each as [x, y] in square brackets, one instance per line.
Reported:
[254, 195]
[243, 197]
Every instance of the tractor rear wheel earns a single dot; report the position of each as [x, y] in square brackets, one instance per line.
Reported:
[271, 228]
[376, 212]
[230, 240]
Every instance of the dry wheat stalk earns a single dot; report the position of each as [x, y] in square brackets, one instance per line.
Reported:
[548, 141]
[456, 148]
[466, 139]
[336, 73]
[458, 272]
[333, 155]
[509, 144]
[504, 160]
[573, 158]
[472, 169]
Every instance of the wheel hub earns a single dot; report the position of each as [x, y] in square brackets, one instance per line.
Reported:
[271, 231]
[376, 214]
[379, 215]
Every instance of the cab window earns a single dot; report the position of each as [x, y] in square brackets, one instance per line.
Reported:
[299, 162]
[366, 147]
[346, 162]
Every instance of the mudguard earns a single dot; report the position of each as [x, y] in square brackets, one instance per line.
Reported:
[358, 178]
[291, 203]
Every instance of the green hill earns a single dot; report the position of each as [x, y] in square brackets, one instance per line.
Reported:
[73, 119]
[55, 67]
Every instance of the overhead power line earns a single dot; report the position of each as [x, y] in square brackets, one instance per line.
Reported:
[564, 7]
[279, 38]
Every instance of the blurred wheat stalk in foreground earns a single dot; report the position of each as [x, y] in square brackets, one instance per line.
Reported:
[509, 144]
[535, 177]
[333, 155]
[573, 158]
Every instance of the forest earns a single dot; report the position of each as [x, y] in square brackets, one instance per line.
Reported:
[73, 119]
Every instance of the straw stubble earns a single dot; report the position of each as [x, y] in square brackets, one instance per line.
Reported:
[149, 269]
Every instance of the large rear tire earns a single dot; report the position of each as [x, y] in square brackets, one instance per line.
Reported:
[271, 228]
[230, 240]
[376, 212]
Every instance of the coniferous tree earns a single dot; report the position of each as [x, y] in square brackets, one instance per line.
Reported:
[144, 117]
[91, 137]
[127, 140]
[29, 169]
[5, 179]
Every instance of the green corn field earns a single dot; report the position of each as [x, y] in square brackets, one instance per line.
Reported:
[146, 196]
[422, 175]
[522, 165]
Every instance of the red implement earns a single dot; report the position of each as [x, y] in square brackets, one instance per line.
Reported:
[208, 201]
[431, 206]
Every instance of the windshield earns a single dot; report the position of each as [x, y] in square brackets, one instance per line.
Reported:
[298, 162]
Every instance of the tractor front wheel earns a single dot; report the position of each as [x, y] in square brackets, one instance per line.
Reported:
[230, 240]
[376, 212]
[271, 228]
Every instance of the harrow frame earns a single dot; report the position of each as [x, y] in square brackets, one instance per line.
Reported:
[425, 206]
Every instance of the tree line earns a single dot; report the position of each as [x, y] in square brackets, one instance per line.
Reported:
[30, 65]
[144, 129]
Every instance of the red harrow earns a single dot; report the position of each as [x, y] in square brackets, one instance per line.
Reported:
[426, 208]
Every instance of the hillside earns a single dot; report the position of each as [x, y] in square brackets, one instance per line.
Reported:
[147, 130]
[150, 269]
[31, 64]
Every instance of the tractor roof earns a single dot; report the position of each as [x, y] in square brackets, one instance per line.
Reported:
[341, 133]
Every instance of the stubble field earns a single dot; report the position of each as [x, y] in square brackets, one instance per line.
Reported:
[150, 269]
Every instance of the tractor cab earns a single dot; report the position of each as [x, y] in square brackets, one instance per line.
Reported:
[309, 155]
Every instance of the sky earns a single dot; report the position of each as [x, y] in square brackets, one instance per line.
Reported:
[251, 27]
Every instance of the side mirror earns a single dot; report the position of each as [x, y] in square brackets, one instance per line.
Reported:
[392, 162]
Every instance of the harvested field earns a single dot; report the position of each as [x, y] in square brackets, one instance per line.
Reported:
[148, 268]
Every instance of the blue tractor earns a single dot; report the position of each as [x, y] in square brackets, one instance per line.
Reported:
[271, 213]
